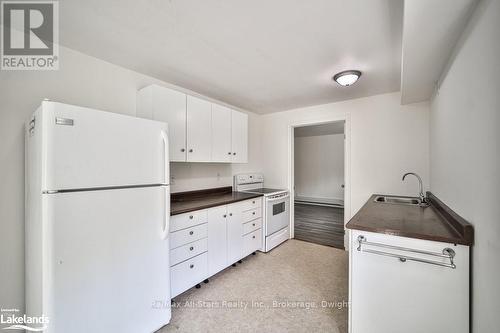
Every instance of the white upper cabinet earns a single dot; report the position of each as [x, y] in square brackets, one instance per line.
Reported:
[221, 134]
[158, 103]
[239, 137]
[199, 130]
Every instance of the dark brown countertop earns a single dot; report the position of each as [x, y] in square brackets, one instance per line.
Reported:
[184, 202]
[436, 222]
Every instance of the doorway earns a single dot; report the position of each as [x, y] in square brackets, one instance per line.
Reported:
[319, 183]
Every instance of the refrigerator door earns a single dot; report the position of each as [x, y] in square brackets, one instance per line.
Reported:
[86, 148]
[107, 267]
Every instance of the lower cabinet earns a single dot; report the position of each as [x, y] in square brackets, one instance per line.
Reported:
[188, 250]
[234, 233]
[188, 273]
[204, 242]
[401, 284]
[217, 235]
[252, 242]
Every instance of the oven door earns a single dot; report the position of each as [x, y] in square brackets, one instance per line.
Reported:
[277, 212]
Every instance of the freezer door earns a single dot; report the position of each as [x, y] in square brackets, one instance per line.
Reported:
[86, 148]
[107, 261]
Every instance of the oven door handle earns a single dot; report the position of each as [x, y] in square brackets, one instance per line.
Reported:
[278, 198]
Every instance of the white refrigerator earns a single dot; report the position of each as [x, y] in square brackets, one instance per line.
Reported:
[97, 219]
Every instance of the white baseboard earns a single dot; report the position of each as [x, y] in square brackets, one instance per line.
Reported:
[328, 201]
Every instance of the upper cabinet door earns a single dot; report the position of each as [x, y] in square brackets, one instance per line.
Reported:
[239, 137]
[221, 134]
[199, 130]
[169, 106]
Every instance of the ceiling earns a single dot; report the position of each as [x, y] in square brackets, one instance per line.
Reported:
[322, 129]
[262, 56]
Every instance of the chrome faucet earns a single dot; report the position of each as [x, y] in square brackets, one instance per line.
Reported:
[423, 198]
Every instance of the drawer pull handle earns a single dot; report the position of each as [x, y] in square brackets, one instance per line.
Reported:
[234, 153]
[229, 153]
[190, 150]
[253, 236]
[230, 214]
[191, 217]
[183, 150]
[253, 224]
[191, 232]
[253, 213]
[224, 215]
[191, 266]
[191, 248]
[253, 202]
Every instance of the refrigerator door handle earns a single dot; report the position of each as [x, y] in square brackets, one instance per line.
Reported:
[166, 226]
[166, 177]
[165, 229]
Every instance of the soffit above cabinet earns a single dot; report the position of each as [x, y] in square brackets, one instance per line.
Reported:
[430, 32]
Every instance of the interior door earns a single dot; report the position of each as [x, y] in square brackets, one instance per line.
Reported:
[89, 148]
[239, 137]
[221, 134]
[217, 239]
[108, 264]
[199, 130]
[170, 106]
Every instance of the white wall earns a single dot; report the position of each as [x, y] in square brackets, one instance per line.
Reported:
[319, 167]
[387, 140]
[81, 80]
[465, 152]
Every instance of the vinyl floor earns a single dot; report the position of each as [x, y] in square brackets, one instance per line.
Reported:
[295, 288]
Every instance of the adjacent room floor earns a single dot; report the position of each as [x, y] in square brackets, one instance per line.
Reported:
[297, 287]
[320, 224]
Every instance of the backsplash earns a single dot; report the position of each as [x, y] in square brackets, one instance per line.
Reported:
[196, 176]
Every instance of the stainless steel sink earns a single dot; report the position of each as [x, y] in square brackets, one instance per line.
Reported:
[397, 200]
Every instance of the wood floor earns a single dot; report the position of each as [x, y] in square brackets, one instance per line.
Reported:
[320, 224]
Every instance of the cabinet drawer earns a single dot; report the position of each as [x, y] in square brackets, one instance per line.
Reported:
[183, 221]
[187, 251]
[252, 214]
[252, 226]
[251, 204]
[252, 242]
[189, 235]
[188, 273]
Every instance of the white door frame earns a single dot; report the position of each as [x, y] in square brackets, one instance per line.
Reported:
[347, 167]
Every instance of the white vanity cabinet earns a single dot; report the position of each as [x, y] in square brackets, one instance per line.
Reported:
[400, 284]
[199, 130]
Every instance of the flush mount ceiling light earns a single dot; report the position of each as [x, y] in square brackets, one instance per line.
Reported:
[347, 78]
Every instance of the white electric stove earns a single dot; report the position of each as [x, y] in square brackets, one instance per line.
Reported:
[276, 208]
